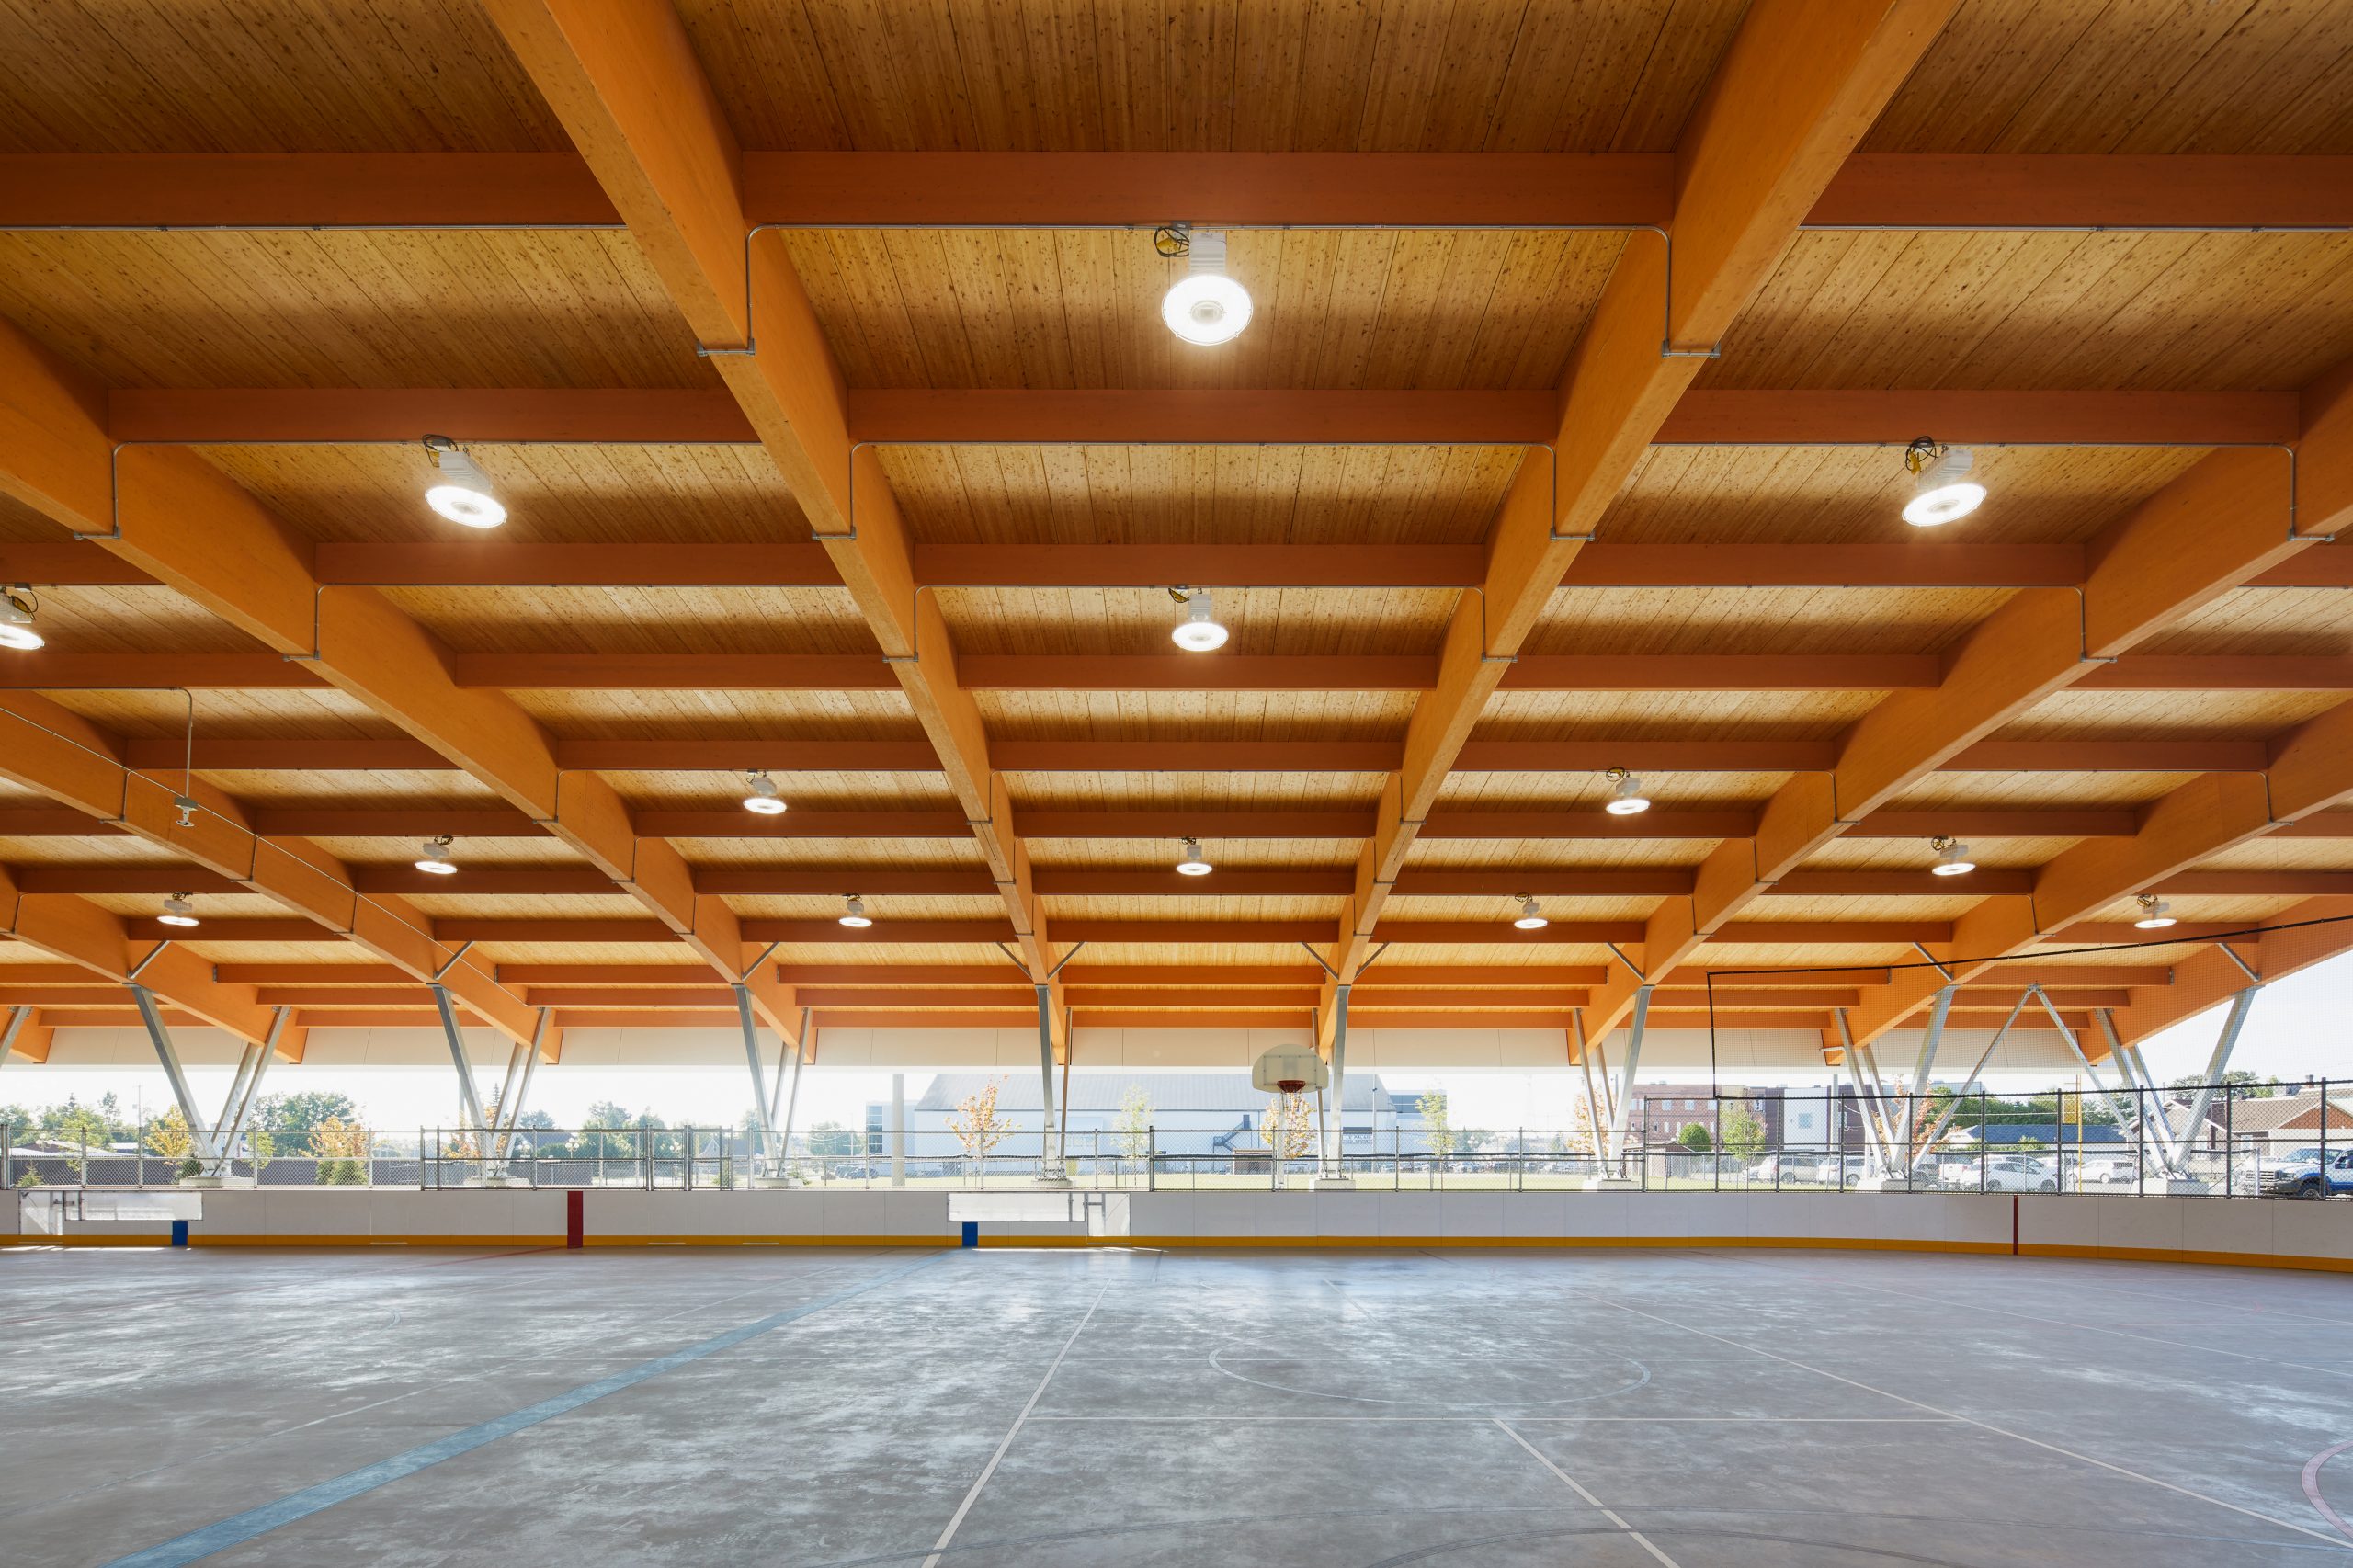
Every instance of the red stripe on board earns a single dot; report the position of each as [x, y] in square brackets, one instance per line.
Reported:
[575, 1226]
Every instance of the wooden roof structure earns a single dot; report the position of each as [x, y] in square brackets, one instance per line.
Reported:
[815, 353]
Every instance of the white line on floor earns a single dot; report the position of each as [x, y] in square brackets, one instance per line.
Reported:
[1539, 1420]
[1983, 1426]
[1014, 1431]
[1637, 1537]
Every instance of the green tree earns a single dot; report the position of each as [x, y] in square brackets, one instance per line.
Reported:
[1740, 1131]
[1437, 1132]
[1742, 1134]
[1695, 1137]
[1134, 1123]
[93, 1124]
[20, 1121]
[301, 1112]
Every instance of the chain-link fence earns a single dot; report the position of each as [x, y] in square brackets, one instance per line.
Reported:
[2232, 1140]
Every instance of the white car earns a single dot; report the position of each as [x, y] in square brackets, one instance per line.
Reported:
[2018, 1172]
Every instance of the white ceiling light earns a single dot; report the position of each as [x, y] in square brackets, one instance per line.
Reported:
[178, 912]
[1206, 306]
[1528, 918]
[433, 855]
[1952, 858]
[761, 798]
[462, 492]
[17, 608]
[2154, 913]
[1199, 633]
[1626, 797]
[1941, 488]
[1193, 865]
[854, 913]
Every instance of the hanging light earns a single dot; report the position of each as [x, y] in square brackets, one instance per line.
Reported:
[761, 798]
[854, 913]
[17, 608]
[1528, 918]
[1626, 797]
[1199, 633]
[1941, 488]
[433, 855]
[1206, 306]
[463, 493]
[1193, 865]
[178, 912]
[1952, 858]
[188, 806]
[2154, 913]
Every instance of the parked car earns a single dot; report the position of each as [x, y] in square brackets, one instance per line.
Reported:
[2298, 1173]
[2019, 1173]
[2108, 1168]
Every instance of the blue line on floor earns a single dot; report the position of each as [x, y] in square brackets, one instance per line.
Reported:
[238, 1529]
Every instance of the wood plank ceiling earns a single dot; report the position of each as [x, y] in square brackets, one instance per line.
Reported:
[293, 238]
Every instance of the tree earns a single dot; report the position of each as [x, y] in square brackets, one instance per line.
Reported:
[976, 1125]
[76, 1122]
[1695, 1137]
[1740, 1133]
[1437, 1132]
[17, 1120]
[169, 1138]
[1287, 1127]
[301, 1112]
[342, 1150]
[1134, 1124]
[2238, 1079]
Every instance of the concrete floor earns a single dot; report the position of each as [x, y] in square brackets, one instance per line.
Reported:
[1618, 1410]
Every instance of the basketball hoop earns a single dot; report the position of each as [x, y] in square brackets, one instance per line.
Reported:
[1289, 1070]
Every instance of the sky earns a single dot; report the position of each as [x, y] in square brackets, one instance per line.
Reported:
[2301, 1026]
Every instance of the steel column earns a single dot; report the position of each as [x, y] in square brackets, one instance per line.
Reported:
[761, 1121]
[1623, 1113]
[789, 1086]
[1048, 1154]
[1337, 1149]
[170, 1058]
[469, 1102]
[17, 1019]
[898, 1130]
[1930, 1039]
[245, 1090]
[1945, 1117]
[2225, 1043]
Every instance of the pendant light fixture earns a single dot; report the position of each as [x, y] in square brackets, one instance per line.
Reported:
[1626, 797]
[1952, 858]
[178, 912]
[1193, 864]
[17, 608]
[854, 913]
[1528, 918]
[434, 858]
[1941, 488]
[1206, 307]
[2154, 912]
[761, 797]
[1199, 633]
[462, 491]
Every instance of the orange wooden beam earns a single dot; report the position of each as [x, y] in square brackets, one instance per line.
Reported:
[1881, 190]
[1709, 417]
[187, 524]
[1133, 189]
[2209, 978]
[49, 749]
[625, 83]
[1154, 672]
[1797, 87]
[2309, 769]
[1602, 564]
